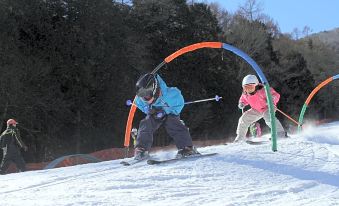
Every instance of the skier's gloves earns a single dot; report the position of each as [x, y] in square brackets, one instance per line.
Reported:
[150, 111]
[241, 105]
[160, 115]
[156, 112]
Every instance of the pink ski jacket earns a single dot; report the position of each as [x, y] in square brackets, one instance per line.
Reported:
[258, 100]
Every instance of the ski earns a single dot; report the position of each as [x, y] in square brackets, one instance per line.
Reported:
[155, 162]
[256, 142]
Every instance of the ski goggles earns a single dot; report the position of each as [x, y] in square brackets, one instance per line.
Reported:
[145, 94]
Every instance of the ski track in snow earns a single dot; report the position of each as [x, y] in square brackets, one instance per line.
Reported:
[304, 171]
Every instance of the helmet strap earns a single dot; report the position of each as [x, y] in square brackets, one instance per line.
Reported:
[155, 86]
[157, 94]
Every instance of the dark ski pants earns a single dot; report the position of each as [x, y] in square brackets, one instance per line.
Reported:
[173, 125]
[16, 159]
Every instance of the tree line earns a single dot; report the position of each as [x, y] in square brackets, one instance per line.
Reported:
[68, 67]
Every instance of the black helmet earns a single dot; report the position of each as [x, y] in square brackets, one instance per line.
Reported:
[147, 87]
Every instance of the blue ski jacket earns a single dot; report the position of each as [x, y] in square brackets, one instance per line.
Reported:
[170, 100]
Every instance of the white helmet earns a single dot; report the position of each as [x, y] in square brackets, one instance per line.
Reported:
[250, 79]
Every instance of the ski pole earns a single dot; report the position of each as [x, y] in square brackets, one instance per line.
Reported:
[216, 98]
[290, 118]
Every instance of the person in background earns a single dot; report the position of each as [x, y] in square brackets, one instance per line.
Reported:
[10, 142]
[162, 106]
[134, 133]
[255, 129]
[254, 95]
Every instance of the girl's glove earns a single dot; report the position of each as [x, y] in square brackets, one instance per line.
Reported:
[241, 105]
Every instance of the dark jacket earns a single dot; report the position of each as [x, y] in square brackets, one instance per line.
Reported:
[10, 141]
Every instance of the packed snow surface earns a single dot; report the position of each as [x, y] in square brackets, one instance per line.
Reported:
[304, 171]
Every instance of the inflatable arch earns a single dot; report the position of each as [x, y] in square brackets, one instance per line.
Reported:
[214, 45]
[309, 98]
[71, 160]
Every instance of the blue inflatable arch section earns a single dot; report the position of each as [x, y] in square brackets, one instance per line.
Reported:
[215, 45]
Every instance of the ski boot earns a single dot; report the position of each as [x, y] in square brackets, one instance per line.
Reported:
[140, 153]
[187, 151]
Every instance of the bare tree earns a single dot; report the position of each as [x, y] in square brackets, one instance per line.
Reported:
[306, 31]
[295, 33]
[251, 9]
[272, 26]
[224, 18]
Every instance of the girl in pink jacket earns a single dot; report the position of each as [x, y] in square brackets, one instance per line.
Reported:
[254, 95]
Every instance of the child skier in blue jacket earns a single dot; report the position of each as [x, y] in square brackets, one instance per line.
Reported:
[162, 106]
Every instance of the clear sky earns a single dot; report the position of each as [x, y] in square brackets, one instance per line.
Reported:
[319, 15]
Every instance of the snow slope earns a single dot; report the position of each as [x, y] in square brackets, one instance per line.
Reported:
[304, 171]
